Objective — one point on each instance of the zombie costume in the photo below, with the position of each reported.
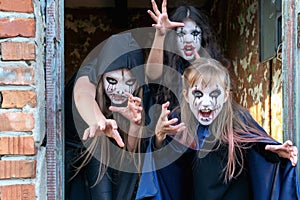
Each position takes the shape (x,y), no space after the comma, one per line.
(201,176)
(117,52)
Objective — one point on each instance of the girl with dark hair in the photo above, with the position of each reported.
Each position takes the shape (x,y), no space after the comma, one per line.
(174,46)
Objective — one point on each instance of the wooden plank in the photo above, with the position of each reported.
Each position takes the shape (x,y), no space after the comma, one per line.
(290,73)
(54,84)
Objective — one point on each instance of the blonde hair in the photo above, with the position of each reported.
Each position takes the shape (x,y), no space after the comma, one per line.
(232,127)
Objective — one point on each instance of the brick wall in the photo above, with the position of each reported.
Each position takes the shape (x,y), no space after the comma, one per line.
(20,102)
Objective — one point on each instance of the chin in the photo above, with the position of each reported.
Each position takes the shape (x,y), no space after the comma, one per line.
(119,104)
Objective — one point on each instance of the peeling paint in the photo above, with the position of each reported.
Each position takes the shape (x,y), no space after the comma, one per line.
(247,33)
(265,74)
(86,25)
(235,67)
(251,12)
(245,62)
(244,100)
(249,78)
(242,23)
(254,31)
(256,93)
(276,82)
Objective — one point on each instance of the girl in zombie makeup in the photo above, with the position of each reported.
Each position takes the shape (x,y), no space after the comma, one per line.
(176,40)
(105,110)
(219,152)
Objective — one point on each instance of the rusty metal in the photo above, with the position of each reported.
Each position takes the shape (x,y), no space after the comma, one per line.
(290,72)
(54,74)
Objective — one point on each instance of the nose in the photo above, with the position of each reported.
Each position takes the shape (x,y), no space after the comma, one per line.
(188,38)
(122,89)
(205,102)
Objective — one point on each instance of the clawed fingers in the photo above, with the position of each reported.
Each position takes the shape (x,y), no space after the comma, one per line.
(164,6)
(285,150)
(155,8)
(173,130)
(90,132)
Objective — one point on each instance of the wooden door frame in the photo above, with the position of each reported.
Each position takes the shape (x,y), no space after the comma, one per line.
(291,71)
(54,75)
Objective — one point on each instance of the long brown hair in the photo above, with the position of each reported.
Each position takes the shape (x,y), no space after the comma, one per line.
(103,148)
(232,127)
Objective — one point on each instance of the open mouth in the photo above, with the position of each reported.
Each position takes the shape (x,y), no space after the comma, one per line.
(118,98)
(188,50)
(205,114)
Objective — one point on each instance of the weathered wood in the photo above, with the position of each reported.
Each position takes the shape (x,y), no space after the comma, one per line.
(290,72)
(54,84)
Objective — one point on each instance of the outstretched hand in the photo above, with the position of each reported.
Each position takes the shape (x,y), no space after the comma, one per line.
(165,126)
(108,127)
(285,150)
(133,110)
(161,18)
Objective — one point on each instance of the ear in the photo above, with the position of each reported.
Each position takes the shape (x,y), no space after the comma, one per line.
(227,93)
(185,95)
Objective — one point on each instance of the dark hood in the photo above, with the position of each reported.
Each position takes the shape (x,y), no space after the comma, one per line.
(117,52)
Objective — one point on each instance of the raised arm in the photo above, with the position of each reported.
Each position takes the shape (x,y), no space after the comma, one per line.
(84,97)
(154,66)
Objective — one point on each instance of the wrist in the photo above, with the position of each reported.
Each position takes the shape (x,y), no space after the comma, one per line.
(160,34)
(159,138)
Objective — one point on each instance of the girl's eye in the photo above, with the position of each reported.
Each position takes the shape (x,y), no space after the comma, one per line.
(131,82)
(196,33)
(197,93)
(180,32)
(111,80)
(215,93)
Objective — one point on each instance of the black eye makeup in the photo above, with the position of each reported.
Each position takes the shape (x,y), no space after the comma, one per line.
(130,82)
(197,93)
(215,93)
(180,32)
(111,80)
(196,32)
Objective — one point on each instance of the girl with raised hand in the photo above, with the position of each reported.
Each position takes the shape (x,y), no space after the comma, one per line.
(177,38)
(218,150)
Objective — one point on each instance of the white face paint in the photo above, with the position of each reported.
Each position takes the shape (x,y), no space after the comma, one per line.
(206,103)
(188,38)
(117,83)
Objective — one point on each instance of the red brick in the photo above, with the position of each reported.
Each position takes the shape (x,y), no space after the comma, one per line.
(16,76)
(16,5)
(16,121)
(18,98)
(17,169)
(18,51)
(17,192)
(17,145)
(13,27)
